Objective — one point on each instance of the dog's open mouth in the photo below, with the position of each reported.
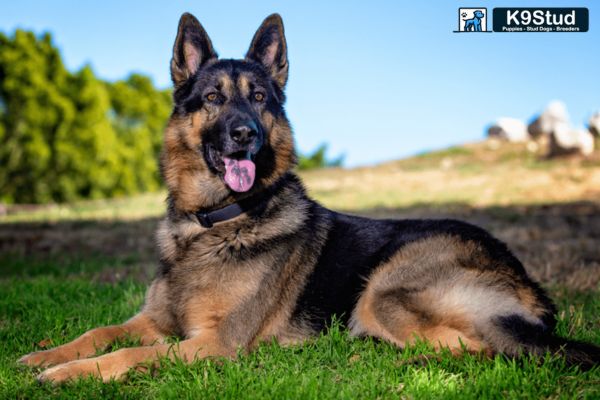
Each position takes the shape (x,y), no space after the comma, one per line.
(238,169)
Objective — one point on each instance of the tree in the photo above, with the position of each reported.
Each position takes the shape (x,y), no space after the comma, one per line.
(139,113)
(86,157)
(33,83)
(67,136)
(318,159)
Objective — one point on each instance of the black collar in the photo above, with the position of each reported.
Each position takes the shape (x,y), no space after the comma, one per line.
(208,218)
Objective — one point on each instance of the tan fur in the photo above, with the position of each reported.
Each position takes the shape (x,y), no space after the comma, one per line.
(530,301)
(244,85)
(365,322)
(228,87)
(96,340)
(208,307)
(157,296)
(451,303)
(276,324)
(115,365)
(185,171)
(441,336)
(283,142)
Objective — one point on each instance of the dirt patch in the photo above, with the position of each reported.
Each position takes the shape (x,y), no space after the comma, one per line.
(80,239)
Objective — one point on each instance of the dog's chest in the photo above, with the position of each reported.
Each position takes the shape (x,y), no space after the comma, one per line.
(208,279)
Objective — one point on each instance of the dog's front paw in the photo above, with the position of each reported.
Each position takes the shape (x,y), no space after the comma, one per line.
(68,371)
(58,374)
(43,358)
(90,367)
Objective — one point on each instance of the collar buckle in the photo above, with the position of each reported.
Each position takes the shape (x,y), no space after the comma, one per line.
(204,219)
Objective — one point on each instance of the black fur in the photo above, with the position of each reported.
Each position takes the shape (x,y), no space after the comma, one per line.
(539,340)
(357,245)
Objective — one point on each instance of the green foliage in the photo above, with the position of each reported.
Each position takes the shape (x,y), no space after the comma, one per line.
(33,86)
(318,159)
(67,136)
(139,113)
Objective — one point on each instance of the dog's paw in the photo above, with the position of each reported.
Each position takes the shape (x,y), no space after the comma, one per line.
(67,372)
(58,374)
(43,358)
(91,367)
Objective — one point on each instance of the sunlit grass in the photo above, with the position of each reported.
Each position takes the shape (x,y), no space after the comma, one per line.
(481,174)
(333,366)
(126,208)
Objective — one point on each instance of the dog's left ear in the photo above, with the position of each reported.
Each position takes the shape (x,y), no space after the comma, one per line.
(191,50)
(269,48)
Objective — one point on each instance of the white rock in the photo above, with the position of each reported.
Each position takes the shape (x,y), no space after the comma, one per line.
(566,140)
(586,142)
(557,110)
(511,129)
(554,114)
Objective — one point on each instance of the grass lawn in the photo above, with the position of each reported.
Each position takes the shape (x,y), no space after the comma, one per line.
(67,269)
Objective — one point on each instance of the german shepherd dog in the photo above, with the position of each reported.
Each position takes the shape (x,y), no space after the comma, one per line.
(246,256)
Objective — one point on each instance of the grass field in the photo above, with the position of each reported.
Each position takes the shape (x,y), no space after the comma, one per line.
(66,269)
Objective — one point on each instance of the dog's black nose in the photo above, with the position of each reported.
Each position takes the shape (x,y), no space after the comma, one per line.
(244,133)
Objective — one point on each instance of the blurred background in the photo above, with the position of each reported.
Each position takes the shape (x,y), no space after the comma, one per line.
(89,82)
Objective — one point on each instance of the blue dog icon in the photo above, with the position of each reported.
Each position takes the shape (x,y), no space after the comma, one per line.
(474,24)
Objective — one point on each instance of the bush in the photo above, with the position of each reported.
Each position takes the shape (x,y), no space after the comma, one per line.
(67,136)
(318,159)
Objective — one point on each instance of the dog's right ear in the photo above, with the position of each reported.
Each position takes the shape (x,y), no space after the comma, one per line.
(269,48)
(191,50)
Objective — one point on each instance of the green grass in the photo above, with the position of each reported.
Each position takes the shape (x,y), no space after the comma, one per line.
(124,208)
(66,300)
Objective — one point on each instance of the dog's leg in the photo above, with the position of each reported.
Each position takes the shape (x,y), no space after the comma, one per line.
(96,339)
(115,365)
(450,293)
(400,317)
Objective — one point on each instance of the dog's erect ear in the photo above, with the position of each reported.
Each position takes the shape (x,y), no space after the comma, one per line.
(268,47)
(192,49)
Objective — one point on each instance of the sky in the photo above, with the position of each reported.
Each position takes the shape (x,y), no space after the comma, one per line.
(376,80)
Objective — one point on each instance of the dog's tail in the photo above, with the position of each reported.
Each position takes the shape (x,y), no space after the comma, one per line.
(517,335)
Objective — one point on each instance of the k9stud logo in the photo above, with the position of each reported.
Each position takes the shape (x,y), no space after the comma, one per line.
(541,19)
(472,19)
(521,19)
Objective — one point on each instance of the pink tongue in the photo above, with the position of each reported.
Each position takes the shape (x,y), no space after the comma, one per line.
(239,174)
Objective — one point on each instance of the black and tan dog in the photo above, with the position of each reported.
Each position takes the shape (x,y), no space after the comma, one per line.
(246,256)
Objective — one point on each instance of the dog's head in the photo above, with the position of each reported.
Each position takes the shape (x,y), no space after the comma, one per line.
(228,135)
(478,14)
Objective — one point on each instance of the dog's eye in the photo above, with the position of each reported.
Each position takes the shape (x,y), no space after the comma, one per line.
(258,96)
(211,97)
